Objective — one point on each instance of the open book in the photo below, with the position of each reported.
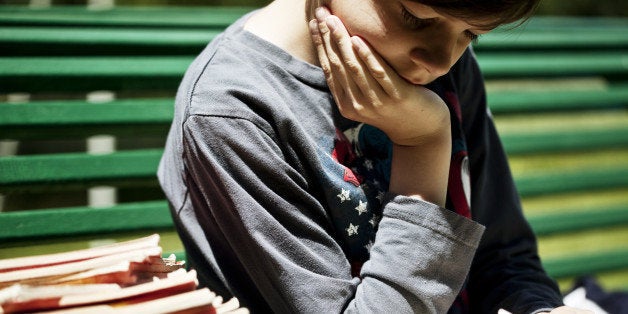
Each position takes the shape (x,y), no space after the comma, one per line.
(126,277)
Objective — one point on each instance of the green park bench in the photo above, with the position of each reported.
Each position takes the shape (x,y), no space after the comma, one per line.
(557,88)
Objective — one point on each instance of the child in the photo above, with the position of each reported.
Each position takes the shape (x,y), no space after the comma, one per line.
(375,184)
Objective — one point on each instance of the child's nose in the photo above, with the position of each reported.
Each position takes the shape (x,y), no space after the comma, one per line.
(438,56)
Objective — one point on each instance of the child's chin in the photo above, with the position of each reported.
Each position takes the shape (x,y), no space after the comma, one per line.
(418,80)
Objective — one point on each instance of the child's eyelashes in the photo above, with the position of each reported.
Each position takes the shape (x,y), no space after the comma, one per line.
(412,21)
(416,23)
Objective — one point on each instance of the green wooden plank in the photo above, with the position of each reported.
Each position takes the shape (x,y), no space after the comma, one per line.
(495,65)
(587,201)
(574,23)
(552,39)
(153,16)
(56,40)
(53,113)
(21,74)
(82,131)
(55,170)
(565,140)
(114,36)
(160,110)
(24,74)
(48,41)
(79,119)
(540,101)
(578,265)
(583,242)
(545,224)
(141,66)
(24,120)
(530,184)
(80,221)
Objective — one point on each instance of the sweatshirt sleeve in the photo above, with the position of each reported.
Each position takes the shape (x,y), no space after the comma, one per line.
(271,239)
(506,272)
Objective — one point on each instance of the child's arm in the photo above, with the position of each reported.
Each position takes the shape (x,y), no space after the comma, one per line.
(367,90)
(253,211)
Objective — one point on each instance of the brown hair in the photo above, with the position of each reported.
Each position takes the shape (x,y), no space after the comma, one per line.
(497,12)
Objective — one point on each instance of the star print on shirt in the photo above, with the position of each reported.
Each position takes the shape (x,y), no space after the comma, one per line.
(352,230)
(351,183)
(344,196)
(361,208)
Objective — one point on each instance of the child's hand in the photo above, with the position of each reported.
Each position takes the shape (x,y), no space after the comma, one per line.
(367,89)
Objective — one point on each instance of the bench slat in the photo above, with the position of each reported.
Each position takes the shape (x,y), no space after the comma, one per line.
(533,184)
(206,17)
(574,23)
(56,40)
(547,224)
(74,118)
(552,39)
(538,64)
(508,102)
(159,110)
(84,169)
(579,265)
(21,172)
(22,74)
(79,118)
(80,221)
(51,113)
(565,140)
(49,41)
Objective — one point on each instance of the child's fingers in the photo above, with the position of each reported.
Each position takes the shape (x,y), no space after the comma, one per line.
(377,67)
(321,52)
(334,85)
(351,64)
(343,88)
(332,56)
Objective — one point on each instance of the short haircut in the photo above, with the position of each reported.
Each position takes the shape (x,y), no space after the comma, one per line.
(488,13)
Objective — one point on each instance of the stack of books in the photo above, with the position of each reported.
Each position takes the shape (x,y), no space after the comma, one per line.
(126,277)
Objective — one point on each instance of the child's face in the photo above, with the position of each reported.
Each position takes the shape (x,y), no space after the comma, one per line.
(420,43)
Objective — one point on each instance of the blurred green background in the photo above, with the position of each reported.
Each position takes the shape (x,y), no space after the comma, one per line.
(548,7)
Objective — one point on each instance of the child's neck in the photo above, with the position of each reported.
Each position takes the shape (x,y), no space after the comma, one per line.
(283,23)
